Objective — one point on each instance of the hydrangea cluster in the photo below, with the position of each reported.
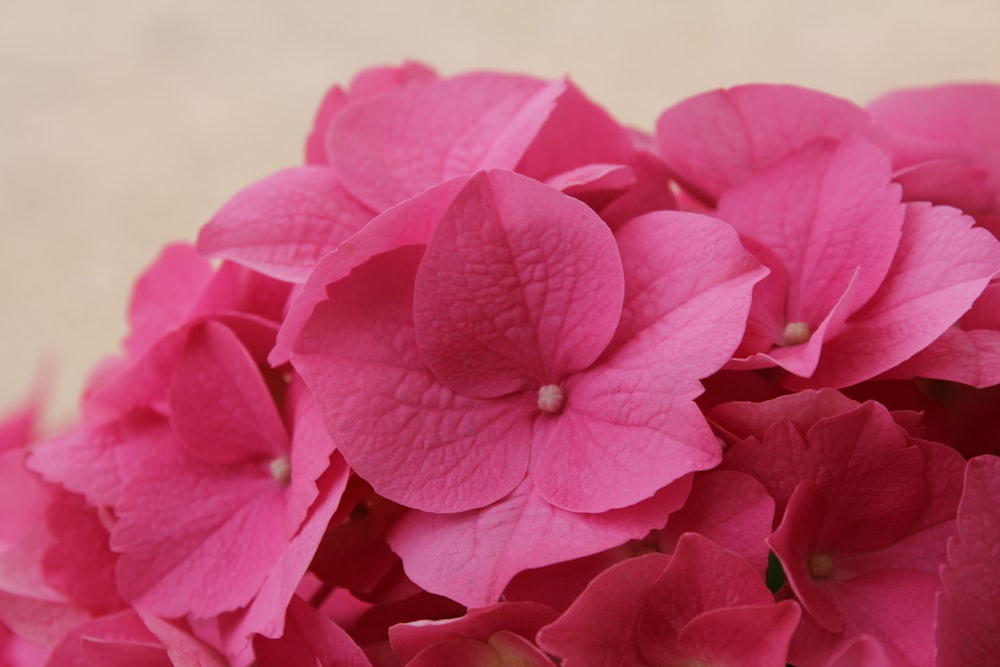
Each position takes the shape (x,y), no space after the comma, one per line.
(492,379)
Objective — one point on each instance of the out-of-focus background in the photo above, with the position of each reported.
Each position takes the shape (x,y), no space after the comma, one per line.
(125,125)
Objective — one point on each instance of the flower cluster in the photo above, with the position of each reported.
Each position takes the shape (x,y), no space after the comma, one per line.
(493,379)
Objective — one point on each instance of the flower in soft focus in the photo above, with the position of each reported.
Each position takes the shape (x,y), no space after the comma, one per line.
(492,379)
(864,512)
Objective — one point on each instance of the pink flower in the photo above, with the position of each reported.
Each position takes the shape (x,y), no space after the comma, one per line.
(703,605)
(400,131)
(858,282)
(865,511)
(521,331)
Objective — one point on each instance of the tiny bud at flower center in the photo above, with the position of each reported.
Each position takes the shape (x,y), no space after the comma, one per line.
(550,398)
(281,470)
(796,333)
(820,566)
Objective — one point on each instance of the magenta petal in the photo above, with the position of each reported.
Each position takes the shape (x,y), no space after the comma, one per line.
(164,295)
(748,635)
(688,285)
(825,211)
(718,139)
(390,147)
(617,442)
(728,507)
(283,224)
(195,537)
(219,404)
(700,576)
(521,618)
(864,650)
(968,610)
(520,532)
(411,438)
(309,639)
(941,267)
(795,540)
(601,626)
(520,286)
(411,223)
(265,615)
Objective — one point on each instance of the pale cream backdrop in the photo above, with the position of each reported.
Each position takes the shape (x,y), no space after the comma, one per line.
(125,123)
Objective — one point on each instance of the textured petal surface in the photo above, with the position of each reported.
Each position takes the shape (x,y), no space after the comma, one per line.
(283,224)
(390,147)
(728,507)
(219,404)
(718,139)
(411,223)
(825,211)
(415,441)
(519,287)
(521,531)
(968,612)
(600,629)
(749,636)
(941,266)
(195,537)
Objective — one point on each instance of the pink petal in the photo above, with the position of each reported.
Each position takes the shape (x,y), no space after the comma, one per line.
(284,223)
(600,629)
(82,460)
(717,140)
(309,639)
(164,295)
(795,541)
(863,650)
(414,440)
(825,211)
(688,283)
(521,618)
(119,640)
(728,507)
(940,268)
(968,610)
(411,223)
(265,615)
(390,147)
(749,636)
(617,442)
(367,82)
(701,576)
(576,132)
(219,404)
(195,537)
(743,419)
(520,286)
(520,532)
(896,607)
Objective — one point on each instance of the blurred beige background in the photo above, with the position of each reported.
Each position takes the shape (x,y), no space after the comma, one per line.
(124,124)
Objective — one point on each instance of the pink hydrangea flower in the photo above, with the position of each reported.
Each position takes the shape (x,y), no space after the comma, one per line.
(525,331)
(703,605)
(865,511)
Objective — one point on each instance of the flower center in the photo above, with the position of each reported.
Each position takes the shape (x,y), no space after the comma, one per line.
(281,470)
(796,333)
(550,398)
(820,566)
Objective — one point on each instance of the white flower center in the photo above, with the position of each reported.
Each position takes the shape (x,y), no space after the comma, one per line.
(281,470)
(796,333)
(550,398)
